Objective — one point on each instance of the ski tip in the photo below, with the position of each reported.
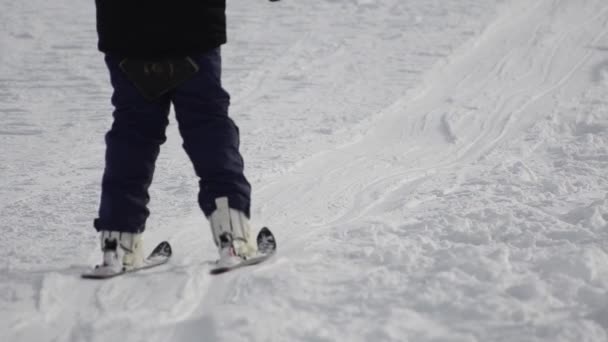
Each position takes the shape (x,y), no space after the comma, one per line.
(163,248)
(266,241)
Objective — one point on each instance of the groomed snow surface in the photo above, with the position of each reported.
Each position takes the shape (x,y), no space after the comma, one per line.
(433,171)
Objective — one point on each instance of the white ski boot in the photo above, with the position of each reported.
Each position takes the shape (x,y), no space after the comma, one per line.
(121,252)
(231,233)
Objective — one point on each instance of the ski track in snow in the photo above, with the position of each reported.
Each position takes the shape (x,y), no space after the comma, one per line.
(433,171)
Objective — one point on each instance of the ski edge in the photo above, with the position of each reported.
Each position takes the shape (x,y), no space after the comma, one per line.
(249,262)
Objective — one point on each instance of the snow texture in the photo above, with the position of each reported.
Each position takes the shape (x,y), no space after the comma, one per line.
(433,171)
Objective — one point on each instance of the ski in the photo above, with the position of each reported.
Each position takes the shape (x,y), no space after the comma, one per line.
(267,246)
(159,256)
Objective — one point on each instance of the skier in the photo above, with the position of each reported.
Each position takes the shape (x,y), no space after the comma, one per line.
(160,53)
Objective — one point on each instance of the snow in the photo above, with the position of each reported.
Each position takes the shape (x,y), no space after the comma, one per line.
(433,171)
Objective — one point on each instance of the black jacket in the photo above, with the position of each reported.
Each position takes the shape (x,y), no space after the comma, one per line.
(160,28)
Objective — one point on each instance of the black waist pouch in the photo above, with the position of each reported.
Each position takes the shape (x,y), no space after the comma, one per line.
(155,78)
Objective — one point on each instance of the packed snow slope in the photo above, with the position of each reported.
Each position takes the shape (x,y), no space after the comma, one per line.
(433,171)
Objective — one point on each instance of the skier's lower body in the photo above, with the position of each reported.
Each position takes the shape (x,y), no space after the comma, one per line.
(211,140)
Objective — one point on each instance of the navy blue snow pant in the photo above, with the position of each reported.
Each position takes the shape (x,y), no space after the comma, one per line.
(210,138)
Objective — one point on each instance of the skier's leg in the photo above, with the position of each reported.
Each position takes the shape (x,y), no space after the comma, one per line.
(211,140)
(132,146)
